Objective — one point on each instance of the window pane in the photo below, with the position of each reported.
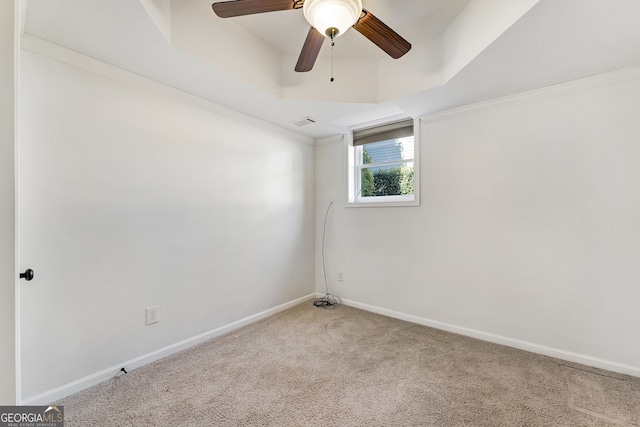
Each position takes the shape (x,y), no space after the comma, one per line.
(389,180)
(388,151)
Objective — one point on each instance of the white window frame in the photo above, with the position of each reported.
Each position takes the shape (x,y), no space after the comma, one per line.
(354,178)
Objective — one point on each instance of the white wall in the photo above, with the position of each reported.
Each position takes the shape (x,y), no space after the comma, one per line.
(134,199)
(8,132)
(528,233)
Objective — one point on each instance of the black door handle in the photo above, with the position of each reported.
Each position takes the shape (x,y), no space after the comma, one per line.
(27,275)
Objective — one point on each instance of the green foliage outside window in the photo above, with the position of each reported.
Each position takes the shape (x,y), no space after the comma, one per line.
(367,176)
(386,182)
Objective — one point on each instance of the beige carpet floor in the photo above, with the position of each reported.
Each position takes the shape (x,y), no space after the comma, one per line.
(345,367)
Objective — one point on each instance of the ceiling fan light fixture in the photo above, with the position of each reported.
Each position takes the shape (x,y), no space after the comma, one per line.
(332,18)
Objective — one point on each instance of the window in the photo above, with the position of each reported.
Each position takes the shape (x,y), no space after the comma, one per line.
(383,165)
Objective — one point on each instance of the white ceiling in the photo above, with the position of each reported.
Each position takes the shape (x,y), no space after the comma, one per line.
(555,41)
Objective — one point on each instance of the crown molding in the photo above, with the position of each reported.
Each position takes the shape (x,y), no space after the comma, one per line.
(601,80)
(330,139)
(54,51)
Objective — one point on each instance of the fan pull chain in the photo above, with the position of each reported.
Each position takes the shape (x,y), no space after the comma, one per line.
(333,43)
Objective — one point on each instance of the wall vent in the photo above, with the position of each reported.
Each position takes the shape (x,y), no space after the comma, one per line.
(304,121)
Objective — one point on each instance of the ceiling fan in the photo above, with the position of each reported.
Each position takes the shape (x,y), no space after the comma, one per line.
(328,18)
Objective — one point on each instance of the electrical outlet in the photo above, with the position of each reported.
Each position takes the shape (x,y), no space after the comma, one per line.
(153,315)
(340,276)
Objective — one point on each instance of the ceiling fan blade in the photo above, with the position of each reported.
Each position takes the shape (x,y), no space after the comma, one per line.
(310,50)
(383,36)
(228,9)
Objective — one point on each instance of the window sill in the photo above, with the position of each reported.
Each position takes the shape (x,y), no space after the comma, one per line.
(383,202)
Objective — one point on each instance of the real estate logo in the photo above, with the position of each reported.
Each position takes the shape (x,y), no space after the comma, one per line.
(31,416)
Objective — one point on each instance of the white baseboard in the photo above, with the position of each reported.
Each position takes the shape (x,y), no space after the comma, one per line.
(607,365)
(106,374)
(68,389)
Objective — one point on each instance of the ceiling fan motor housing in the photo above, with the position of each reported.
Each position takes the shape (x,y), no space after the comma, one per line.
(332,17)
